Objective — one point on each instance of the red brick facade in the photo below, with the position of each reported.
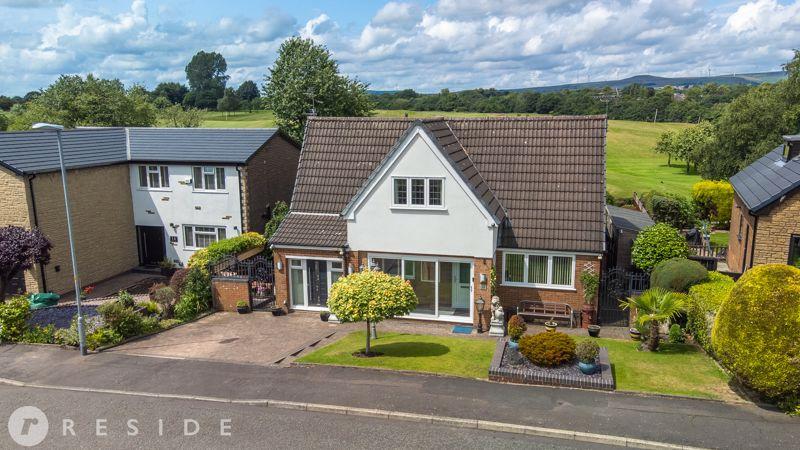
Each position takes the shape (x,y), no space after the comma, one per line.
(741,237)
(226,292)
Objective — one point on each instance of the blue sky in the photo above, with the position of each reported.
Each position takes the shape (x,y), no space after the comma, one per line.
(425,45)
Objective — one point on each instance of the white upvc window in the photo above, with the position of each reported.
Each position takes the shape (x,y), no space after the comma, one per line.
(208,178)
(201,236)
(417,192)
(537,269)
(153,177)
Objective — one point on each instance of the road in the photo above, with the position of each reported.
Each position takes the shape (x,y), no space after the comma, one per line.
(250,426)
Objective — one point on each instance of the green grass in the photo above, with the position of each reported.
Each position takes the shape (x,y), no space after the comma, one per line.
(631,163)
(676,369)
(719,238)
(458,356)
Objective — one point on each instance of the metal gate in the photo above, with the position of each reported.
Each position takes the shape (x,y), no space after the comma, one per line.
(615,285)
(260,275)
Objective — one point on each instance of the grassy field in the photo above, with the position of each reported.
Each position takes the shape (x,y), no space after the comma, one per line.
(462,357)
(631,163)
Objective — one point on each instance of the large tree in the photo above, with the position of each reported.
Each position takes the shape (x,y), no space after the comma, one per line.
(176,116)
(207,79)
(229,102)
(305,77)
(174,92)
(20,249)
(75,101)
(248,90)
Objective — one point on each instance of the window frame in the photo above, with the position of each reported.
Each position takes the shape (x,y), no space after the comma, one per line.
(221,233)
(219,174)
(526,268)
(160,171)
(794,244)
(409,180)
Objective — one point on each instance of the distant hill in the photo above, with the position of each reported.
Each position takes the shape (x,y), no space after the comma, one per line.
(653,81)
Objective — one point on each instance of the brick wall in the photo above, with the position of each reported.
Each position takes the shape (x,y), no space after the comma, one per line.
(226,292)
(774,230)
(268,178)
(740,237)
(510,296)
(102,216)
(15,210)
(282,275)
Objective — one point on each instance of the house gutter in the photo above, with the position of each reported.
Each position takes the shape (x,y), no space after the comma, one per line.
(241,200)
(36,224)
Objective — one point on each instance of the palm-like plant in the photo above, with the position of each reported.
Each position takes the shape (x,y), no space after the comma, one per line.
(653,307)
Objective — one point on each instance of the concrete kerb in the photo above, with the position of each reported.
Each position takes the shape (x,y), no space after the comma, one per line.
(384,414)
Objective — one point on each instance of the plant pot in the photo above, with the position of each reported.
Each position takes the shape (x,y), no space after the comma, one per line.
(513,344)
(242,309)
(635,334)
(594,330)
(324,316)
(550,326)
(587,368)
(277,312)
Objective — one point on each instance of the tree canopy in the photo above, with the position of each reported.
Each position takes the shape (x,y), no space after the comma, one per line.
(248,90)
(207,79)
(76,101)
(20,249)
(174,92)
(305,77)
(229,102)
(176,116)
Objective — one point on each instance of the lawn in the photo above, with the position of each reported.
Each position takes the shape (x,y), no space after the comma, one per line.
(676,369)
(719,238)
(632,165)
(449,355)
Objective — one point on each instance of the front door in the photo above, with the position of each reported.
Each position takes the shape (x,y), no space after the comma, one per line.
(317,283)
(151,245)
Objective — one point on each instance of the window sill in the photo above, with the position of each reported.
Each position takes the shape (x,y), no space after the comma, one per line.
(546,287)
(208,191)
(153,189)
(418,208)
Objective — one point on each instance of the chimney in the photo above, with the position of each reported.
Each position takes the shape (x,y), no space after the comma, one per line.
(791,147)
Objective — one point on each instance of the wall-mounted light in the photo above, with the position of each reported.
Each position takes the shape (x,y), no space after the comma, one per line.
(483,280)
(280,265)
(349,268)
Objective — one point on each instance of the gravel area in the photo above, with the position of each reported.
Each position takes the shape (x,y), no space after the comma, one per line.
(513,358)
(60,316)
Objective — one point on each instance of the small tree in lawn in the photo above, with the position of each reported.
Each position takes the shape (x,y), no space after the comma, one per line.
(371,296)
(20,249)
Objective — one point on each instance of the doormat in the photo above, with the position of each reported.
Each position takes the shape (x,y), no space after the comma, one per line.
(462,329)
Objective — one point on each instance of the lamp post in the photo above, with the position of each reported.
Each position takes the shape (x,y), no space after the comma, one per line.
(479,307)
(58,129)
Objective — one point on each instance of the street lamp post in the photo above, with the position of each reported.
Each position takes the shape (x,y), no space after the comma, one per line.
(57,129)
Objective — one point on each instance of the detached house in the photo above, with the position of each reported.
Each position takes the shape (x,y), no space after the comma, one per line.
(445,203)
(765,221)
(139,195)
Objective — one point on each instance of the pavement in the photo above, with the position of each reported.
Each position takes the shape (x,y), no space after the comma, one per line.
(224,425)
(679,421)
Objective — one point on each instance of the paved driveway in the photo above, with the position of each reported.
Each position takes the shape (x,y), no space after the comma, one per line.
(255,338)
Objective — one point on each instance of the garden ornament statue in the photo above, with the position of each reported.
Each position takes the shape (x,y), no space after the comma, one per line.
(497,327)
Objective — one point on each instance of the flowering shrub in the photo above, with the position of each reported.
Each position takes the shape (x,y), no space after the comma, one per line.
(371,296)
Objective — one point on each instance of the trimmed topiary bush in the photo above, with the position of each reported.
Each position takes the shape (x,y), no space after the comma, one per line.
(757,331)
(516,327)
(677,274)
(548,349)
(657,243)
(703,303)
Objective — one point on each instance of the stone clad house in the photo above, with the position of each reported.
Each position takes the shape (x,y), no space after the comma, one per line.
(765,221)
(139,195)
(443,202)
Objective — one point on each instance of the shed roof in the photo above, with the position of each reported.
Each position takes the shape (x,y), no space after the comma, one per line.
(628,219)
(767,180)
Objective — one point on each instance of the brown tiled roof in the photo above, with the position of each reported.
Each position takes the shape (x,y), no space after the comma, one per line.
(311,230)
(545,173)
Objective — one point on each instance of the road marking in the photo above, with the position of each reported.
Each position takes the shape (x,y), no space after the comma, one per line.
(457,422)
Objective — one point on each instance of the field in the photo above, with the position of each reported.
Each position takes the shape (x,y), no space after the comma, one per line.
(631,163)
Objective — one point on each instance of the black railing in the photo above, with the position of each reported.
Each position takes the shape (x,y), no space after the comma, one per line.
(709,251)
(258,271)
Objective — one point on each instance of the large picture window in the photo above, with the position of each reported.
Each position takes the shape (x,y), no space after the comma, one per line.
(199,236)
(208,178)
(153,177)
(538,269)
(418,192)
(794,251)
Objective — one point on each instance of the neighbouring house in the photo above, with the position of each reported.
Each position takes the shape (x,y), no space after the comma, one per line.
(444,203)
(765,221)
(623,225)
(139,195)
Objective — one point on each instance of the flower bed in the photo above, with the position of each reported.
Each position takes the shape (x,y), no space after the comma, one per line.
(509,366)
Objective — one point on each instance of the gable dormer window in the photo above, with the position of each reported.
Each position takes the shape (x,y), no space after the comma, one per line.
(417,192)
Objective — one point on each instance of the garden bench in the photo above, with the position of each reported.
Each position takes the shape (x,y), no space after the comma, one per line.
(545,310)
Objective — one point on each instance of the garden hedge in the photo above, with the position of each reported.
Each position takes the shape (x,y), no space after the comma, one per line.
(657,243)
(713,200)
(704,302)
(548,349)
(677,274)
(226,247)
(757,328)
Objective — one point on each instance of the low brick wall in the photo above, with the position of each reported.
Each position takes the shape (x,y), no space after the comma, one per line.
(227,291)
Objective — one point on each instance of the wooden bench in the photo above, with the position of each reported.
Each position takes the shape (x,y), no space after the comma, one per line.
(545,310)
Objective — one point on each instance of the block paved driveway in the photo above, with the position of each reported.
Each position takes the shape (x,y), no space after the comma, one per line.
(255,338)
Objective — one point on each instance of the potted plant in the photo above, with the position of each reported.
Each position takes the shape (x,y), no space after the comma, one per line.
(242,307)
(550,325)
(594,330)
(587,352)
(516,329)
(636,335)
(167,267)
(85,292)
(277,311)
(591,284)
(324,316)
